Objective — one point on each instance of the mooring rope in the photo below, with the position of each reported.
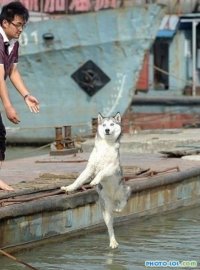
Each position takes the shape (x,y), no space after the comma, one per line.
(17,260)
(171,74)
(57,192)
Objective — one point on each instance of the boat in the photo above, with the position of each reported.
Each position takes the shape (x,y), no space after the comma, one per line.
(77,66)
(167,93)
(80,63)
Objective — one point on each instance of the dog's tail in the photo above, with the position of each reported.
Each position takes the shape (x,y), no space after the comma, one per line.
(122,200)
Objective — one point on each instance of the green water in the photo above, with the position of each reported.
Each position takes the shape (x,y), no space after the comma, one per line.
(171,237)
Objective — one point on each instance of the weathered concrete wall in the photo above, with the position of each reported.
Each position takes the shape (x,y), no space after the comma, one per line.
(69,215)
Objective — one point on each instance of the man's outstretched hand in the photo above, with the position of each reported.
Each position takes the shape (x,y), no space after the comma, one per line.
(32,103)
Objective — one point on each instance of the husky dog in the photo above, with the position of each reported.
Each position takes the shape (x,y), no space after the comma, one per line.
(104,171)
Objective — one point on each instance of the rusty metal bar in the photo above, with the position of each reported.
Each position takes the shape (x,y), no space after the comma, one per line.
(68,142)
(16,260)
(67,131)
(94,126)
(59,138)
(194,48)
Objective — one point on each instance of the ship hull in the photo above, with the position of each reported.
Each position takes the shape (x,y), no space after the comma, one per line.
(53,50)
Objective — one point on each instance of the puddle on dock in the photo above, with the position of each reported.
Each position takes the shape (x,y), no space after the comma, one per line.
(168,237)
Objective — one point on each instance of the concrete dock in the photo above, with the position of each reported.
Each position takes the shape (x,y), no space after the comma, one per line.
(141,149)
(37,211)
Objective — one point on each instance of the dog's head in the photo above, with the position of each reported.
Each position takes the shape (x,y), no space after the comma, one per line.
(109,128)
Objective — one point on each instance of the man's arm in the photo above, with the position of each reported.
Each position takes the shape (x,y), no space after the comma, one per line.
(9,109)
(18,83)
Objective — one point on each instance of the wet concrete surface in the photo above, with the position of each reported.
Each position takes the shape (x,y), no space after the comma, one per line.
(32,170)
(36,170)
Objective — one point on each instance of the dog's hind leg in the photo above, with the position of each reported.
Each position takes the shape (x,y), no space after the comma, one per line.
(107,211)
(108,218)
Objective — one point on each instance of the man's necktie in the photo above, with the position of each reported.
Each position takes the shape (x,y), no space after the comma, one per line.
(6,44)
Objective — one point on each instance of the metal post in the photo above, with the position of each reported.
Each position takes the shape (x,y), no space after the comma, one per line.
(67,131)
(194,49)
(69,143)
(194,22)
(94,126)
(59,138)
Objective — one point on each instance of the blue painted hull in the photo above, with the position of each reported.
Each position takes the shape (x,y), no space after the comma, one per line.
(115,40)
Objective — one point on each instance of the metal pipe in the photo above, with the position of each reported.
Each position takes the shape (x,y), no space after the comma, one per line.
(94,126)
(58,133)
(59,138)
(67,131)
(194,22)
(68,142)
(194,49)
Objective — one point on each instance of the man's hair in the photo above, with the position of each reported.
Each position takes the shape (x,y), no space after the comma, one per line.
(9,11)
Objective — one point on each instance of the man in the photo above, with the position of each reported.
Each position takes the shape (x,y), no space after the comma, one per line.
(13,19)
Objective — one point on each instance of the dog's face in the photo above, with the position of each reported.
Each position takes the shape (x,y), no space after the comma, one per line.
(109,127)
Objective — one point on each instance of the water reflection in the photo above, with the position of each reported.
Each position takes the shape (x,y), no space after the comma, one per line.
(164,237)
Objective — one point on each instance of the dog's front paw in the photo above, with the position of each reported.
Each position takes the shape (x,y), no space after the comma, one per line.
(94,183)
(113,244)
(68,188)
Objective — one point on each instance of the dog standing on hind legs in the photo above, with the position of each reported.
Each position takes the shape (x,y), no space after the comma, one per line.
(104,171)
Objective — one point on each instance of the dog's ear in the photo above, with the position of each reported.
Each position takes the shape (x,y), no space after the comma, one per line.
(117,117)
(100,118)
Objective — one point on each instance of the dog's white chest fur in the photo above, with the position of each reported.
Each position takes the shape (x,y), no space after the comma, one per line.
(104,154)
